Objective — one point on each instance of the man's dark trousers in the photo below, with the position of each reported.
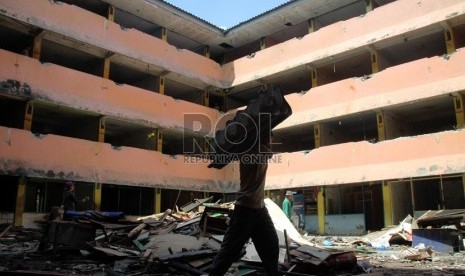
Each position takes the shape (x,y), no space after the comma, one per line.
(248,223)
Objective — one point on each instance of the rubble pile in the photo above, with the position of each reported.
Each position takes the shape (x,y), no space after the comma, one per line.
(185,241)
(180,242)
(432,244)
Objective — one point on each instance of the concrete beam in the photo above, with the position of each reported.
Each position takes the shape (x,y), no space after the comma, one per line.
(432,154)
(402,84)
(77,24)
(64,86)
(346,38)
(57,157)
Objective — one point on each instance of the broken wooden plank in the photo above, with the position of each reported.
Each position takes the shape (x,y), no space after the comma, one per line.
(136,230)
(194,204)
(6,230)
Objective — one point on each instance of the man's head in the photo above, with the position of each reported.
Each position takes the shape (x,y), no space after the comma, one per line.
(290,194)
(69,186)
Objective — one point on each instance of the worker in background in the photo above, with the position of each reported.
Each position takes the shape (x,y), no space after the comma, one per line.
(250,218)
(69,198)
(288,204)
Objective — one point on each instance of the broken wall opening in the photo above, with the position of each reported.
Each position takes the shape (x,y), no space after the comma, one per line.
(121,74)
(14,40)
(354,128)
(128,199)
(356,66)
(120,133)
(292,139)
(401,200)
(12,112)
(438,193)
(73,58)
(357,203)
(413,48)
(64,121)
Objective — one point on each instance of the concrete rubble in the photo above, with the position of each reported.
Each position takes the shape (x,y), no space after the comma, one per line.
(185,242)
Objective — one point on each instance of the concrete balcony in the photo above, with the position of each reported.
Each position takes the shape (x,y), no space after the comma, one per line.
(419,156)
(58,157)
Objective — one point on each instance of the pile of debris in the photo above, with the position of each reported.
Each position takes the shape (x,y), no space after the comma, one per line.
(181,242)
(431,242)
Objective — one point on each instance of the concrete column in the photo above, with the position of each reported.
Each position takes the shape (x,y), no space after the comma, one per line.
(321,210)
(106,68)
(206,51)
(206,99)
(459,110)
(161,85)
(106,60)
(262,43)
(157,200)
(159,140)
(412,194)
(28,115)
(97,196)
(164,34)
(387,203)
(20,199)
(37,45)
(317,134)
(314,77)
(450,39)
(311,25)
(111,13)
(101,129)
(374,62)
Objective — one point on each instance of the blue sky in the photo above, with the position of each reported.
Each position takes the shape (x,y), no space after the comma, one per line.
(226,13)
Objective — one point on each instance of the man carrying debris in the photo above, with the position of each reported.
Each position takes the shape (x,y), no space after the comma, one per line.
(250,218)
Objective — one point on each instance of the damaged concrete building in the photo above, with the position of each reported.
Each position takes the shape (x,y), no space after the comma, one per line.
(112,94)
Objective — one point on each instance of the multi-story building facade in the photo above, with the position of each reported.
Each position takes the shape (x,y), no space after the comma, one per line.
(101,92)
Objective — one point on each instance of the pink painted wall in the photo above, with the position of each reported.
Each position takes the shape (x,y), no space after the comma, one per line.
(68,158)
(424,155)
(352,35)
(420,79)
(68,87)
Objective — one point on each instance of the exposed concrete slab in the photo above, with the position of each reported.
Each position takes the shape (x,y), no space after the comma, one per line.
(81,25)
(346,38)
(432,154)
(57,157)
(402,84)
(63,86)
